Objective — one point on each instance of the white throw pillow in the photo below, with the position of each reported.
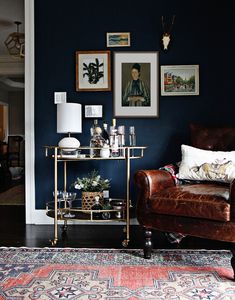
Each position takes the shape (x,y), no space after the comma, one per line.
(198,164)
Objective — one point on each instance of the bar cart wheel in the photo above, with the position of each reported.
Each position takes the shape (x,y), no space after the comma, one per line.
(125,243)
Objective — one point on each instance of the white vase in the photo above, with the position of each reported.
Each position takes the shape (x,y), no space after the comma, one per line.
(105,152)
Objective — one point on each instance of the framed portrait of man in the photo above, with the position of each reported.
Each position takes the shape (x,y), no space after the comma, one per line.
(136,84)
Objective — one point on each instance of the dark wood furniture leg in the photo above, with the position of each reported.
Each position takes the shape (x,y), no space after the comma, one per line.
(147,243)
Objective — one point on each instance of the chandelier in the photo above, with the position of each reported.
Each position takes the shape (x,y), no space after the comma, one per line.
(15,42)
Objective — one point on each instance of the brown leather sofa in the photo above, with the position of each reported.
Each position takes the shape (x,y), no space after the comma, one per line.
(201,210)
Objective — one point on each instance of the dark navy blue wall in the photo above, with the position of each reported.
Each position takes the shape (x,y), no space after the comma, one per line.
(202,35)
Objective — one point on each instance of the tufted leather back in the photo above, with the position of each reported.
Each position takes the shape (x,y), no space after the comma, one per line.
(213,138)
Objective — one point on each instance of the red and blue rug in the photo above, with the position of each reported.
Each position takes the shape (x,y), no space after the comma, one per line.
(50,273)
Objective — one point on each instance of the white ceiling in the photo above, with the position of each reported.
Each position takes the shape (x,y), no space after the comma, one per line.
(10,11)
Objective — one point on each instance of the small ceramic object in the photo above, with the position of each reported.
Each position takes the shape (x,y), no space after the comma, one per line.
(105,152)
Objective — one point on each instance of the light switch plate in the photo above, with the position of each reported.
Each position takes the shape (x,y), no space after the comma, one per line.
(60,97)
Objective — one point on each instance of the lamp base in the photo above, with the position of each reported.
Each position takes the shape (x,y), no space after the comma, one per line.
(69,144)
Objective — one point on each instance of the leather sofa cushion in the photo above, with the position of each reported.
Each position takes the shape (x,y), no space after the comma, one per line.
(213,138)
(207,201)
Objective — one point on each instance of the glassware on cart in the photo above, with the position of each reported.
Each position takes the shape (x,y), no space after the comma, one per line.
(113,139)
(118,205)
(59,200)
(69,197)
(121,139)
(97,206)
(132,139)
(106,215)
(96,142)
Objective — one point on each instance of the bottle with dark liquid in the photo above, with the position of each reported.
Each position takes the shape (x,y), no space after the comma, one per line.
(97,206)
(105,134)
(106,215)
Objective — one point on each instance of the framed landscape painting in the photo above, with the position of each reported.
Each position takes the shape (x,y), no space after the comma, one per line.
(136,84)
(181,80)
(93,71)
(118,39)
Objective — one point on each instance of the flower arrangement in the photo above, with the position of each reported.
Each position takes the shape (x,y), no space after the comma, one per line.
(92,183)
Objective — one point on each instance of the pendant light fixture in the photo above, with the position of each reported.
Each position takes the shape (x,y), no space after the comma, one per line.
(15,42)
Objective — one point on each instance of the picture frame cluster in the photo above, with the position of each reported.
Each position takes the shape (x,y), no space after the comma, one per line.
(136,77)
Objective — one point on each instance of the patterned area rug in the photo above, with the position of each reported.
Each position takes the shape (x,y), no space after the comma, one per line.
(50,273)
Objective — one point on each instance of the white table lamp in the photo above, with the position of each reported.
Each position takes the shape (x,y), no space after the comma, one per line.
(69,120)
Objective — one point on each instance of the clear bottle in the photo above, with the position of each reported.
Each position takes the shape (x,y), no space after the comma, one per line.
(97,206)
(113,139)
(121,139)
(97,141)
(132,138)
(92,129)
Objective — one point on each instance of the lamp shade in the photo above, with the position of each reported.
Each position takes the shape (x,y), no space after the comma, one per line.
(69,118)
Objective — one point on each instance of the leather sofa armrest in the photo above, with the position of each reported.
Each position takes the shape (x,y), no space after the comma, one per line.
(152,181)
(232,200)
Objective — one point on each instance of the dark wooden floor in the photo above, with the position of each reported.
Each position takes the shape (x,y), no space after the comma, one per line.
(14,233)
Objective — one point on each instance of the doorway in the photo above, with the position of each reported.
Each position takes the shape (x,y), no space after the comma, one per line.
(3,123)
(12,118)
(12,153)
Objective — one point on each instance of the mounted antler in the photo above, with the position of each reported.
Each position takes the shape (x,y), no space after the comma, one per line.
(166,32)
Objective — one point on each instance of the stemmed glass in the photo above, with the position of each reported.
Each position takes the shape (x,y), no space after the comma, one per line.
(69,197)
(59,199)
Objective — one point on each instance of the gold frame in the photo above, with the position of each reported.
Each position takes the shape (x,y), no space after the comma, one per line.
(107,71)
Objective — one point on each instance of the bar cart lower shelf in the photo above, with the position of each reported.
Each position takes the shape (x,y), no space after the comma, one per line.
(63,212)
(76,213)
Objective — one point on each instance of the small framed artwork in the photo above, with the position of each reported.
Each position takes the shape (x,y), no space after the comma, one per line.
(182,80)
(93,71)
(93,111)
(118,39)
(136,84)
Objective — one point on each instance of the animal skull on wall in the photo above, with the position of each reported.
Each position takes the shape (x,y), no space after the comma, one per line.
(166,37)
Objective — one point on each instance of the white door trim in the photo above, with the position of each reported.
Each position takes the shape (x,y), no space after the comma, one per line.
(29,113)
(33,215)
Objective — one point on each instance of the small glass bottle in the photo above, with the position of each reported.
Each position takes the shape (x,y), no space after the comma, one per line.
(132,139)
(97,206)
(97,141)
(113,139)
(92,129)
(121,139)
